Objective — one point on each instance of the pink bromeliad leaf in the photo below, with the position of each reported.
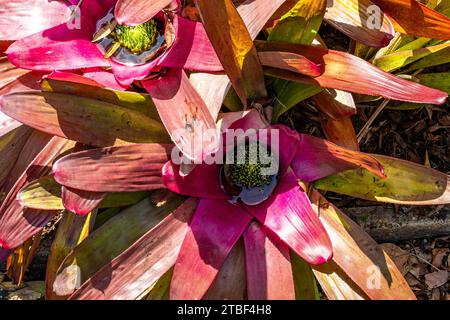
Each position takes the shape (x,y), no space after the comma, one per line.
(317,158)
(230,282)
(288,214)
(11,145)
(184,113)
(133,271)
(269,271)
(18,224)
(21,18)
(80,202)
(115,169)
(134,12)
(215,228)
(350,73)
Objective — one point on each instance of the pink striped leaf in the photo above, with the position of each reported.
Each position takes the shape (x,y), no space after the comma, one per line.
(79,201)
(317,158)
(134,12)
(16,223)
(343,71)
(289,215)
(184,113)
(269,272)
(115,169)
(230,281)
(215,228)
(128,275)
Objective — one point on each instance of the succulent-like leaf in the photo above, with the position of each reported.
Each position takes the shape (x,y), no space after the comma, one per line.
(340,131)
(304,281)
(85,120)
(184,114)
(400,59)
(439,81)
(230,281)
(69,83)
(405,183)
(215,228)
(80,202)
(11,145)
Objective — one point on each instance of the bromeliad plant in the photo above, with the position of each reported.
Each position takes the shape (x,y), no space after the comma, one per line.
(98,151)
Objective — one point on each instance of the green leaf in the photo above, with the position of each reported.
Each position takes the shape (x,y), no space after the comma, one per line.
(300,25)
(304,280)
(45,194)
(400,59)
(406,183)
(439,81)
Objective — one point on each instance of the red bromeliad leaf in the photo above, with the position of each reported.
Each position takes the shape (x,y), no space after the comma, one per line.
(349,73)
(360,257)
(16,223)
(269,272)
(21,18)
(360,20)
(128,275)
(79,201)
(81,119)
(215,228)
(230,281)
(27,82)
(289,215)
(414,18)
(184,113)
(317,158)
(234,46)
(290,62)
(134,12)
(11,146)
(115,169)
